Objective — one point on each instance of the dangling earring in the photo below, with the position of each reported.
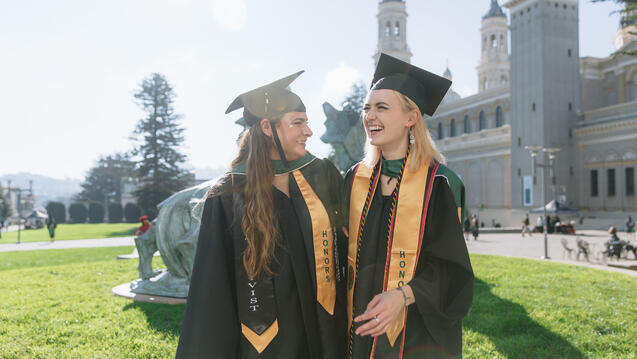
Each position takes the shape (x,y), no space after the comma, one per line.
(412,139)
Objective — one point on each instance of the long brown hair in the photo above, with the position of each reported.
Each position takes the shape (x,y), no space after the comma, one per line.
(259,224)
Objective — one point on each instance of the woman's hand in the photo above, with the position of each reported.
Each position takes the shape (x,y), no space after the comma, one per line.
(381,311)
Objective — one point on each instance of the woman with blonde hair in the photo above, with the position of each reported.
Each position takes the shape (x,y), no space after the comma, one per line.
(266,278)
(410,281)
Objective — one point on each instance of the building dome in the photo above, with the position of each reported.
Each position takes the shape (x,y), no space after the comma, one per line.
(494,11)
(451,95)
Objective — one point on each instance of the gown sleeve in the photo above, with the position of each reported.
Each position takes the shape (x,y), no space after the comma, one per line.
(210,328)
(443,284)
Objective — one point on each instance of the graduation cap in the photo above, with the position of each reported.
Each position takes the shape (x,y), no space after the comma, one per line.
(271,102)
(424,88)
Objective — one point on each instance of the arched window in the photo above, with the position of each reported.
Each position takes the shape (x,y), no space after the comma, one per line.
(440,135)
(397,29)
(467,124)
(503,80)
(452,128)
(482,124)
(501,40)
(387,29)
(494,41)
(499,121)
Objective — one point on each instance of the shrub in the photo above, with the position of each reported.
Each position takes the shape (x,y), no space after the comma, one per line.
(78,212)
(132,212)
(115,212)
(57,210)
(95,212)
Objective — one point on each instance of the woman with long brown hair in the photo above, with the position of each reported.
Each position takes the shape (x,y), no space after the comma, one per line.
(266,277)
(410,281)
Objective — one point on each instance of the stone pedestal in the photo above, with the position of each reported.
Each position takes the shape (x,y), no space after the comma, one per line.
(124,290)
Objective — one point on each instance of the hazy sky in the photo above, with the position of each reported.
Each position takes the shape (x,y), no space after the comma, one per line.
(68,69)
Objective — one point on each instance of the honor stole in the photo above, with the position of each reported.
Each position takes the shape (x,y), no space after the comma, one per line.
(324,257)
(405,233)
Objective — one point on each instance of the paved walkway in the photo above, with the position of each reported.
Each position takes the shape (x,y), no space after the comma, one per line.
(77,243)
(513,245)
(503,244)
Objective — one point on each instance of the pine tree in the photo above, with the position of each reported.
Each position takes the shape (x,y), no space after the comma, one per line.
(160,136)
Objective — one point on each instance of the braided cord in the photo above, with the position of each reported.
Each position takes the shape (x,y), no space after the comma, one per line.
(368,200)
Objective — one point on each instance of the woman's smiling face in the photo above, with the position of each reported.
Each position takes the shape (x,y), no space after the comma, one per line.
(293,132)
(384,118)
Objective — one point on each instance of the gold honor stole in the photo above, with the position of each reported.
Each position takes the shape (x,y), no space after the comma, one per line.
(260,342)
(405,233)
(323,239)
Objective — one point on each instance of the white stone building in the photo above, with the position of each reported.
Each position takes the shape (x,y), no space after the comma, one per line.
(541,93)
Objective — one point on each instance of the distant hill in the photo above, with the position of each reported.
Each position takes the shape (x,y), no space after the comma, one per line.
(44,188)
(53,189)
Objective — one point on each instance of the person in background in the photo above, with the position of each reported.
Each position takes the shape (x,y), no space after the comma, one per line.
(144,227)
(51,225)
(525,226)
(475,227)
(630,225)
(614,245)
(466,228)
(539,224)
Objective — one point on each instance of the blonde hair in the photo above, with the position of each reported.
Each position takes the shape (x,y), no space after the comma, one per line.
(422,152)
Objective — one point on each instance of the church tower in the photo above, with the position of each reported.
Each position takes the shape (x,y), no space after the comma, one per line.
(545,93)
(494,67)
(392,30)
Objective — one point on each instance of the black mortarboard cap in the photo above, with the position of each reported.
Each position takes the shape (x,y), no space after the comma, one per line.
(424,88)
(271,101)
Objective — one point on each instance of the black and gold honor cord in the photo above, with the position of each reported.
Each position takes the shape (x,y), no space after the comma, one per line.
(368,201)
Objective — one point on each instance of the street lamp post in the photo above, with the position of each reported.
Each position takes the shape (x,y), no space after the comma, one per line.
(551,154)
(19,208)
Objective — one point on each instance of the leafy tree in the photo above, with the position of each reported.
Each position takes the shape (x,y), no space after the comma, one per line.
(78,212)
(95,212)
(354,102)
(115,212)
(105,181)
(5,207)
(346,154)
(132,212)
(628,20)
(57,210)
(159,135)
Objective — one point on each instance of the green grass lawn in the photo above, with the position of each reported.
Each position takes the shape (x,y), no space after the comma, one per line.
(65,232)
(58,304)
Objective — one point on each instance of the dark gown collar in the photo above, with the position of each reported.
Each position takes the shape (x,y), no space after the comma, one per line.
(279,166)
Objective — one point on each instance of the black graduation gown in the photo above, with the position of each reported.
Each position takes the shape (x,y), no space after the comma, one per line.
(442,284)
(211,328)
